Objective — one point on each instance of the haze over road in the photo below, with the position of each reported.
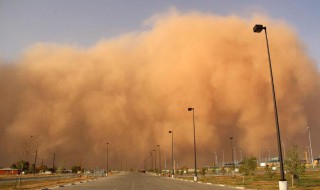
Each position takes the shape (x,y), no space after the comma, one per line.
(139,181)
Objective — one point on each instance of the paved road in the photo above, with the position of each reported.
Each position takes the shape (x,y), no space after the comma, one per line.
(140,181)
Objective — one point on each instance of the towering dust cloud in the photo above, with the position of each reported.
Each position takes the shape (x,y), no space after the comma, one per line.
(131,90)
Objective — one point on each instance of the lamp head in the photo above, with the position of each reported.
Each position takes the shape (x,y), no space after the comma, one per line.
(190,109)
(170,131)
(258,28)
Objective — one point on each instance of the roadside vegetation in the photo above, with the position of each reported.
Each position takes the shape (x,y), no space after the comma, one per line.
(250,176)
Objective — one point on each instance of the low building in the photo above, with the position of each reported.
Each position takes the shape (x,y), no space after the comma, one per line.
(9,171)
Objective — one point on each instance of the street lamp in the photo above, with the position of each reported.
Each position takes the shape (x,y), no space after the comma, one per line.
(282,183)
(172,155)
(54,159)
(194,142)
(216,159)
(269,155)
(107,158)
(222,158)
(231,149)
(151,161)
(155,160)
(308,129)
(35,162)
(159,158)
(121,164)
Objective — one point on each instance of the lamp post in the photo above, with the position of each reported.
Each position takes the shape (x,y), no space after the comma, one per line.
(159,159)
(222,158)
(269,155)
(107,158)
(235,156)
(35,162)
(216,159)
(172,155)
(311,155)
(195,150)
(121,163)
(231,138)
(54,158)
(155,160)
(282,183)
(151,161)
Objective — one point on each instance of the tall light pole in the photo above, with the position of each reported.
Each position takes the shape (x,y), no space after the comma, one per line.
(311,155)
(269,155)
(172,155)
(231,149)
(151,161)
(240,155)
(235,156)
(195,150)
(222,158)
(216,158)
(121,164)
(159,158)
(107,158)
(283,182)
(35,162)
(165,161)
(155,160)
(54,158)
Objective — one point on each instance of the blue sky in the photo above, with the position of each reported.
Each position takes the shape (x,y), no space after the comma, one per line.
(84,22)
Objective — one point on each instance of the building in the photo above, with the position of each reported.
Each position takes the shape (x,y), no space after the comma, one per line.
(9,171)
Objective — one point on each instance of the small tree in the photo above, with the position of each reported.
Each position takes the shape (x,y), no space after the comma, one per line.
(223,170)
(268,171)
(43,168)
(33,169)
(203,171)
(22,165)
(75,169)
(293,164)
(248,166)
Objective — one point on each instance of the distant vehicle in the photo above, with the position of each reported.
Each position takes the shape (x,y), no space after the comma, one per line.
(47,172)
(142,171)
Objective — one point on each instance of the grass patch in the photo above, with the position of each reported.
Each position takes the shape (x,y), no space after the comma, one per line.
(309,181)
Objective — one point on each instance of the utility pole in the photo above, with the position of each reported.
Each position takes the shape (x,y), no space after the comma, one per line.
(107,158)
(35,162)
(232,149)
(165,160)
(54,157)
(216,159)
(311,155)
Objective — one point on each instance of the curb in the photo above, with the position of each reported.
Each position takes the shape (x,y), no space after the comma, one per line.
(220,185)
(71,184)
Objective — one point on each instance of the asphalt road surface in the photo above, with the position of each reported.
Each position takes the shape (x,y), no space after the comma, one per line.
(140,181)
